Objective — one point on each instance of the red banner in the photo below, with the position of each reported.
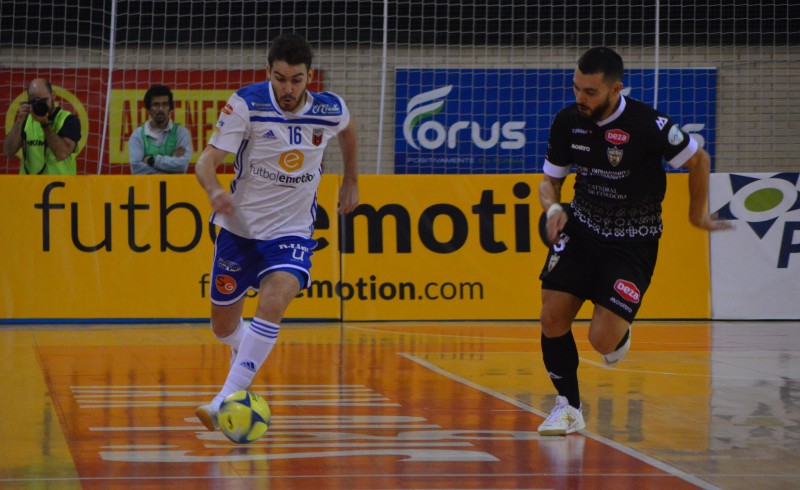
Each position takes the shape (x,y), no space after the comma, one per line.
(199,95)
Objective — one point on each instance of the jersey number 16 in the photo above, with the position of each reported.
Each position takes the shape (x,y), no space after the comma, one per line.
(295,135)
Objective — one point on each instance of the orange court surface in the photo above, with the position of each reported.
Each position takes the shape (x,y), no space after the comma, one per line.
(394,405)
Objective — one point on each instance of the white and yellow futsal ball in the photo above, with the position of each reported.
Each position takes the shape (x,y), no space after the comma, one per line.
(243,417)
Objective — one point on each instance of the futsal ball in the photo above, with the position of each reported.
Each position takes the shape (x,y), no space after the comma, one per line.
(243,417)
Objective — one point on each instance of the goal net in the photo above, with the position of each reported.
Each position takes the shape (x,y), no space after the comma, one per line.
(435,86)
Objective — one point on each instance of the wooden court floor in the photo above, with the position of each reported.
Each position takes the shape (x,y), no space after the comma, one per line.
(401,405)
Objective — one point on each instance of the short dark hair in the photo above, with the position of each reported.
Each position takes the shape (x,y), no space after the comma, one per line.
(157,91)
(291,48)
(602,60)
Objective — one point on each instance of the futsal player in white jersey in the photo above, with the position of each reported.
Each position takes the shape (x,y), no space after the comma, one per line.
(278,131)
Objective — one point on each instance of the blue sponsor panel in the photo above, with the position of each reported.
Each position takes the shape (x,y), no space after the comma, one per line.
(498,121)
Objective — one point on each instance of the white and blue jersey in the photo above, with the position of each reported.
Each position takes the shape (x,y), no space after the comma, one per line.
(278,160)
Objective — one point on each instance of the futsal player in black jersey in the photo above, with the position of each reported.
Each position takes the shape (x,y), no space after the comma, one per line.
(605,243)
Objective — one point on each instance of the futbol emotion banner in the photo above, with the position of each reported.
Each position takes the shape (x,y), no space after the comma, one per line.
(83,92)
(120,247)
(468,247)
(417,248)
(498,120)
(755,268)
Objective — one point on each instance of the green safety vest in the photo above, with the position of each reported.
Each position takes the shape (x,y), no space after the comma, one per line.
(168,148)
(37,159)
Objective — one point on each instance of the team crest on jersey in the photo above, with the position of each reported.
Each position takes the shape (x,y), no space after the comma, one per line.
(317,136)
(614,156)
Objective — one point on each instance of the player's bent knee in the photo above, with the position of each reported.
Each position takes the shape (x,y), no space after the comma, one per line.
(271,311)
(554,327)
(552,333)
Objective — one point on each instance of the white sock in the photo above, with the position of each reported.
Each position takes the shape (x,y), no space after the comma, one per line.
(256,344)
(235,338)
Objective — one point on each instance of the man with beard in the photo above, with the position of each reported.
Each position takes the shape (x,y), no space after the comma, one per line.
(160,146)
(605,243)
(278,131)
(47,134)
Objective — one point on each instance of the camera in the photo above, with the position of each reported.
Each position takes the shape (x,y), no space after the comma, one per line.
(39,106)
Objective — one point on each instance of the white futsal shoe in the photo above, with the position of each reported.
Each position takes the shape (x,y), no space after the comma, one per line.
(564,419)
(615,357)
(208,416)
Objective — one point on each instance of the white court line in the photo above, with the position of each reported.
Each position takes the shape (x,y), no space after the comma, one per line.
(600,365)
(608,442)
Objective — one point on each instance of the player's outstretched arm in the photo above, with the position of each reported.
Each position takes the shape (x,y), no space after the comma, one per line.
(699,167)
(206,172)
(348,143)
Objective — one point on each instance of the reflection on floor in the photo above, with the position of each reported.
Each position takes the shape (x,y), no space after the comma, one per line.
(401,405)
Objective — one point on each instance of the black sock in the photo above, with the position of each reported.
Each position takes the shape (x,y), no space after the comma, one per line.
(624,339)
(561,361)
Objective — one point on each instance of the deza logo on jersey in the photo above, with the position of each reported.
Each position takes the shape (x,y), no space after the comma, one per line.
(627,290)
(432,134)
(617,136)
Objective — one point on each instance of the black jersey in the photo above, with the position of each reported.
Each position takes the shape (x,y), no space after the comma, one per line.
(619,178)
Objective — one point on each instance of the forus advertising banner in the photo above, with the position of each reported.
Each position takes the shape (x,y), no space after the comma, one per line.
(477,121)
(755,268)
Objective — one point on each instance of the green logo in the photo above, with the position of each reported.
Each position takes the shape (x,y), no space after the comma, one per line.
(761,201)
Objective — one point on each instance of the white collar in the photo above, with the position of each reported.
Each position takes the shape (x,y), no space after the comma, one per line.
(156,132)
(613,117)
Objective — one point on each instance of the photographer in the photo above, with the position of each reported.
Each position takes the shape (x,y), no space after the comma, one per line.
(47,135)
(160,145)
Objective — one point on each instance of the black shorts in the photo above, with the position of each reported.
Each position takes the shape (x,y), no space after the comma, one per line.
(613,274)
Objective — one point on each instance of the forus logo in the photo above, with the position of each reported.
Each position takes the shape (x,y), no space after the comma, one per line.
(762,203)
(432,135)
